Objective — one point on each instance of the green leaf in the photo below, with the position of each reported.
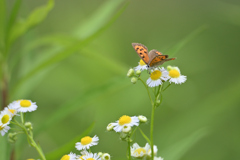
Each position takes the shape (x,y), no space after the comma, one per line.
(97,20)
(81,101)
(67,52)
(36,17)
(56,154)
(2,24)
(177,150)
(175,49)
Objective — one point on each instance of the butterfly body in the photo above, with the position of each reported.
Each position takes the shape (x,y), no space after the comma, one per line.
(152,59)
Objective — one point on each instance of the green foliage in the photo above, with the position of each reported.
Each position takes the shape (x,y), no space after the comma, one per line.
(35,18)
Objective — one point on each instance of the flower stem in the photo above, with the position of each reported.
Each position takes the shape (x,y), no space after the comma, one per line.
(31,140)
(149,95)
(151,130)
(129,149)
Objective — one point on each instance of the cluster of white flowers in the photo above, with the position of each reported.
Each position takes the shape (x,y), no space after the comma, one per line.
(158,75)
(144,152)
(11,110)
(84,145)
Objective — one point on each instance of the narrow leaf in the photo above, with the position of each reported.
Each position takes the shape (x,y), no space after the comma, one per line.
(67,52)
(175,49)
(177,150)
(2,24)
(67,148)
(36,17)
(98,19)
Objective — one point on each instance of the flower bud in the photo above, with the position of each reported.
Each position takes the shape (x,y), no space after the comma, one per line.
(169,68)
(28,125)
(130,72)
(110,127)
(126,129)
(134,80)
(100,154)
(142,119)
(138,72)
(123,135)
(106,156)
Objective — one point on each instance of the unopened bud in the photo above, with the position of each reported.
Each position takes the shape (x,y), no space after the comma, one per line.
(100,154)
(169,68)
(126,129)
(130,72)
(28,125)
(134,80)
(138,72)
(106,156)
(110,127)
(142,119)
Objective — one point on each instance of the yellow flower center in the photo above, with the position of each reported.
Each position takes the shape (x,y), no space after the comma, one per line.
(142,63)
(12,111)
(25,103)
(174,73)
(65,157)
(90,159)
(156,75)
(1,128)
(139,150)
(86,140)
(5,119)
(124,120)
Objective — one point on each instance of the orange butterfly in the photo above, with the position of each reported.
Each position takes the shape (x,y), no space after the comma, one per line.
(152,59)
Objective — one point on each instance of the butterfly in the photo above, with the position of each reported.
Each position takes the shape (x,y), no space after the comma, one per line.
(152,59)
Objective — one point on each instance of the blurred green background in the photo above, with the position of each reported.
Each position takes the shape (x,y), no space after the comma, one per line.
(74,66)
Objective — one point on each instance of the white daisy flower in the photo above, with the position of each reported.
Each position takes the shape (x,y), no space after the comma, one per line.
(25,106)
(87,142)
(157,76)
(5,117)
(83,153)
(91,156)
(158,158)
(140,152)
(141,66)
(70,156)
(4,129)
(125,121)
(175,75)
(11,108)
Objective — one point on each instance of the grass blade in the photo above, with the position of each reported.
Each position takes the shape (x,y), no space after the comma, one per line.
(67,52)
(36,17)
(98,19)
(67,148)
(173,50)
(176,151)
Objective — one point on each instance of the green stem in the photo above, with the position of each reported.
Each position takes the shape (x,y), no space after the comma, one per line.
(129,149)
(149,95)
(144,135)
(151,130)
(31,140)
(167,86)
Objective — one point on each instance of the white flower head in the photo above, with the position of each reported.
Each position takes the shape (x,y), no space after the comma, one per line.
(87,142)
(4,129)
(5,117)
(175,76)
(140,152)
(157,76)
(11,108)
(141,66)
(25,105)
(158,158)
(70,156)
(83,153)
(125,121)
(91,156)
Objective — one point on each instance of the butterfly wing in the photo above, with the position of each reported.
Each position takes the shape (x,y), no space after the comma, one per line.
(158,60)
(153,53)
(142,51)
